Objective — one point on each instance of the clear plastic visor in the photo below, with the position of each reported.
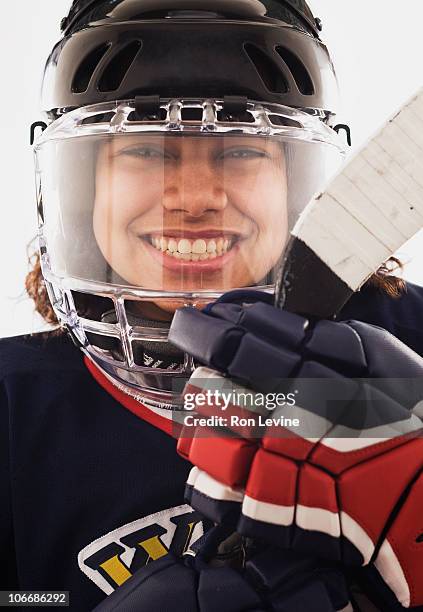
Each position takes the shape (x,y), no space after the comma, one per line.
(175,212)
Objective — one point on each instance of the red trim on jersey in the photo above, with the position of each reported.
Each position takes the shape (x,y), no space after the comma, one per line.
(131,403)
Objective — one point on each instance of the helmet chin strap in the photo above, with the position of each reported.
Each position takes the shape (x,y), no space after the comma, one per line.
(160,355)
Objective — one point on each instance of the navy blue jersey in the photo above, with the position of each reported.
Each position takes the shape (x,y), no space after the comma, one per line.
(402,317)
(89,490)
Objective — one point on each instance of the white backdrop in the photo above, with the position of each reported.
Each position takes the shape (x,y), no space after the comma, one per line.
(377,48)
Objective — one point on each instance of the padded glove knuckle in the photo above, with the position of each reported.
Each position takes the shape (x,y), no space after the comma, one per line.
(256,360)
(386,356)
(215,341)
(337,343)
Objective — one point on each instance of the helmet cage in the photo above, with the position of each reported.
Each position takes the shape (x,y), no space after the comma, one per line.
(112,344)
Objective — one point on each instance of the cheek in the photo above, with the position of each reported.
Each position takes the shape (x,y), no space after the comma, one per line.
(274,214)
(120,199)
(264,201)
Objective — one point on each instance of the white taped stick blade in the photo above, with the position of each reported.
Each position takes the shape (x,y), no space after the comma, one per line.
(374,205)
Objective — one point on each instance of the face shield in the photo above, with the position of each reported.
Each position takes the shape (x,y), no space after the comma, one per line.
(139,217)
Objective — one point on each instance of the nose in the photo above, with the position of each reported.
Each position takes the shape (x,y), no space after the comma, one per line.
(194,188)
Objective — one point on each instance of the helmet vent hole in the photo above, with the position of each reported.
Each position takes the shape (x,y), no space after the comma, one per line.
(187,14)
(298,71)
(118,67)
(278,120)
(269,72)
(87,67)
(99,118)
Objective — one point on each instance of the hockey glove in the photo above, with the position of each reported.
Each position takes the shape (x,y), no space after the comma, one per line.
(346,484)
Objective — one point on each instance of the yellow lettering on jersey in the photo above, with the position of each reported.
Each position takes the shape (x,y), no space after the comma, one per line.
(154,548)
(187,541)
(116,570)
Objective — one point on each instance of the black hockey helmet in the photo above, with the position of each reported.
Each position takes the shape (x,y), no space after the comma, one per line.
(265,50)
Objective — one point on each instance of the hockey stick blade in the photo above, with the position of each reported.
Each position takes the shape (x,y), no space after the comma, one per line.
(371,208)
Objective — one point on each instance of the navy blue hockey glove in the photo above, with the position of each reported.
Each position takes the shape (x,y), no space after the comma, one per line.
(346,483)
(271,579)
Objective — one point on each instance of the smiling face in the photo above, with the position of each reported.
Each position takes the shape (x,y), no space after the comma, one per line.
(190,213)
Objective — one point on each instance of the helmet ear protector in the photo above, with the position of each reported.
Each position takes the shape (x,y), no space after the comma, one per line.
(164,183)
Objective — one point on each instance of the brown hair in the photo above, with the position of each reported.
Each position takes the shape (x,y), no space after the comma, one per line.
(36,288)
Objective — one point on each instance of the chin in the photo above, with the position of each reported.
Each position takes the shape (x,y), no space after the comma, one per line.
(171,306)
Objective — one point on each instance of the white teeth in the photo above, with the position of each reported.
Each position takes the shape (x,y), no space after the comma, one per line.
(184,246)
(211,247)
(172,245)
(192,250)
(199,246)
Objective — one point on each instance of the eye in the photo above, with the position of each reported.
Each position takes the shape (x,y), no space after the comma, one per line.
(142,152)
(243,154)
(146,153)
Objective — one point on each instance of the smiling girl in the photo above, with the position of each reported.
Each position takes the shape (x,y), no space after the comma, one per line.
(183,140)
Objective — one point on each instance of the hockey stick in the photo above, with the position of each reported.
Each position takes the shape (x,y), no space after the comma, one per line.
(368,212)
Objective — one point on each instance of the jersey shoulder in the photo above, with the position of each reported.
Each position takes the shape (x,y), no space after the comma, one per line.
(40,351)
(402,316)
